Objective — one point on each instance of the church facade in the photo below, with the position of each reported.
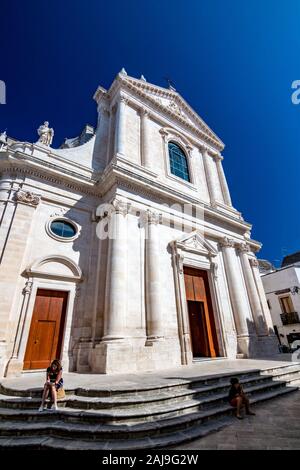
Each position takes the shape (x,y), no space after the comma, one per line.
(121,251)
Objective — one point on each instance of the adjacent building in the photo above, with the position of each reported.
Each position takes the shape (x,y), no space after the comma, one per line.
(282,288)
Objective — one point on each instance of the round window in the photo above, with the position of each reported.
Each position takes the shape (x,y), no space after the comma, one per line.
(63,229)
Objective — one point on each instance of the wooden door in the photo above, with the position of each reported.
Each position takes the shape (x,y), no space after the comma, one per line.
(46,330)
(202,326)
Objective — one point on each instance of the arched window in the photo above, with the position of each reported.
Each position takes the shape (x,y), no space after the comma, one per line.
(178,162)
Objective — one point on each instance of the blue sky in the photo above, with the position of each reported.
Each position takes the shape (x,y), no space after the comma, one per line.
(233,61)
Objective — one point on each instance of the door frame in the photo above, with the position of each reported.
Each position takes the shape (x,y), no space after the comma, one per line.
(209,326)
(38,277)
(64,287)
(201,256)
(61,332)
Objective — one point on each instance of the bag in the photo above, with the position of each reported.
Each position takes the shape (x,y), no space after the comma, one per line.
(61,393)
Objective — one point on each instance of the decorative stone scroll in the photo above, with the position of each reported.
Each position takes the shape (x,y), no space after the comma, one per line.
(27,197)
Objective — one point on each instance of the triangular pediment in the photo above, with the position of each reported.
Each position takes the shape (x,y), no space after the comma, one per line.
(173,103)
(197,243)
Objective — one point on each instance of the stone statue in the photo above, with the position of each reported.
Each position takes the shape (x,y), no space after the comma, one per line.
(3,139)
(46,134)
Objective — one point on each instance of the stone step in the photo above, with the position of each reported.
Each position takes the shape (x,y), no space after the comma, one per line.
(293,366)
(285,374)
(159,442)
(135,415)
(145,436)
(183,384)
(163,397)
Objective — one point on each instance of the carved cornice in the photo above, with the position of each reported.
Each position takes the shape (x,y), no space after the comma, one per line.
(139,89)
(15,170)
(27,197)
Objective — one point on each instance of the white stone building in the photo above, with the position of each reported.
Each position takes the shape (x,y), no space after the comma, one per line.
(282,288)
(179,279)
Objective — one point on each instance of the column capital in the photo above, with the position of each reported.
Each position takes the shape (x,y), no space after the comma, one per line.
(227,242)
(203,148)
(217,157)
(145,113)
(120,207)
(243,247)
(164,133)
(28,197)
(152,217)
(254,263)
(123,99)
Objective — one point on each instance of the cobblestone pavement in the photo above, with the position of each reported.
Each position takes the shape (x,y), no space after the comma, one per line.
(276,426)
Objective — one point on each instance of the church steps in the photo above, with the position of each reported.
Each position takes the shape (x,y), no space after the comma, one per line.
(153,442)
(289,373)
(148,435)
(211,380)
(135,415)
(149,417)
(207,393)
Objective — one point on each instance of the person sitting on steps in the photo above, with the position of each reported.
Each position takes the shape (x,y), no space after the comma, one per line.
(54,381)
(237,398)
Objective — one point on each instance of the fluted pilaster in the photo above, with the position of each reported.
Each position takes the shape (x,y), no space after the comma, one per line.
(145,139)
(237,297)
(209,175)
(153,288)
(120,130)
(258,315)
(223,181)
(116,282)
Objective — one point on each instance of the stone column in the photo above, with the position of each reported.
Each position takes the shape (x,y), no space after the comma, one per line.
(145,139)
(262,296)
(209,175)
(153,291)
(102,138)
(237,296)
(120,131)
(223,181)
(182,312)
(253,295)
(116,281)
